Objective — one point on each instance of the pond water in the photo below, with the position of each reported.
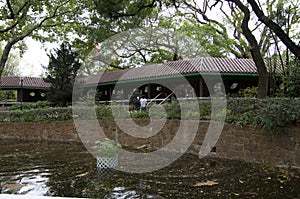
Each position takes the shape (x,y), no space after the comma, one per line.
(68,170)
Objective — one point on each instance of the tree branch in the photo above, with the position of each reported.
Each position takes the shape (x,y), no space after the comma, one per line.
(116,14)
(40,24)
(22,7)
(12,14)
(295,49)
(255,51)
(17,21)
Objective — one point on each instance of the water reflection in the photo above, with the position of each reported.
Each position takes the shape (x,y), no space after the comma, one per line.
(33,168)
(122,192)
(125,193)
(29,182)
(68,170)
(59,169)
(33,182)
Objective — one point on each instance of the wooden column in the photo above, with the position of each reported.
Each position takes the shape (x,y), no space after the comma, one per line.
(201,87)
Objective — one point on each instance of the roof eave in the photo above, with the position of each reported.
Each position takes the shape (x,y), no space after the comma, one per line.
(187,75)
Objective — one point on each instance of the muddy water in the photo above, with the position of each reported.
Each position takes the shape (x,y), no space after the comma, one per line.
(56,169)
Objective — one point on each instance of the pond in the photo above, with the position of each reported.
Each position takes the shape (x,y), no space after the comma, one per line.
(68,170)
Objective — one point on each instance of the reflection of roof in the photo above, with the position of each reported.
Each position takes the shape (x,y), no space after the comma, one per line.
(28,82)
(190,66)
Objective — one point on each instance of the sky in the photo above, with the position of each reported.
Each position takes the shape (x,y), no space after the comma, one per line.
(34,58)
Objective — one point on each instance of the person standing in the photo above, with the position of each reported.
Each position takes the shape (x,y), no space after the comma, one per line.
(143,103)
(137,103)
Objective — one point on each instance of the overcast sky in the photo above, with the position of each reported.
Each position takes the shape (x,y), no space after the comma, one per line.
(34,58)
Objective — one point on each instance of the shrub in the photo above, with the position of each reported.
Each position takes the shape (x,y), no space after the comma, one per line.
(36,115)
(173,110)
(243,119)
(249,92)
(278,113)
(119,111)
(28,106)
(205,111)
(266,113)
(104,112)
(192,115)
(4,116)
(139,114)
(290,85)
(107,148)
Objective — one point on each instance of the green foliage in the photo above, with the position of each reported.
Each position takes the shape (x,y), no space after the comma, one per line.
(120,111)
(139,114)
(250,92)
(278,113)
(192,115)
(204,111)
(103,112)
(173,110)
(129,13)
(8,95)
(107,148)
(47,20)
(4,116)
(245,118)
(271,114)
(290,86)
(28,106)
(61,73)
(39,115)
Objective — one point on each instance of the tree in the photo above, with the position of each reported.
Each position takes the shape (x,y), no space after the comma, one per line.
(164,41)
(11,68)
(157,39)
(110,17)
(243,44)
(290,82)
(226,33)
(241,25)
(239,17)
(61,73)
(262,89)
(41,20)
(275,27)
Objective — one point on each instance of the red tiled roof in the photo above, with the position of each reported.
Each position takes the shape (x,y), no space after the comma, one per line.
(190,66)
(196,65)
(28,82)
(105,77)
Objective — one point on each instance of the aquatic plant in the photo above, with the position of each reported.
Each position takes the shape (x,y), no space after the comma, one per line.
(107,148)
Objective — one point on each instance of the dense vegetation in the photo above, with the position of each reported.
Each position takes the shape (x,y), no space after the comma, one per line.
(61,73)
(271,114)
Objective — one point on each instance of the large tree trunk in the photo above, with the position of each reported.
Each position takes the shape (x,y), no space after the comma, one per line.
(4,56)
(263,79)
(262,90)
(295,49)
